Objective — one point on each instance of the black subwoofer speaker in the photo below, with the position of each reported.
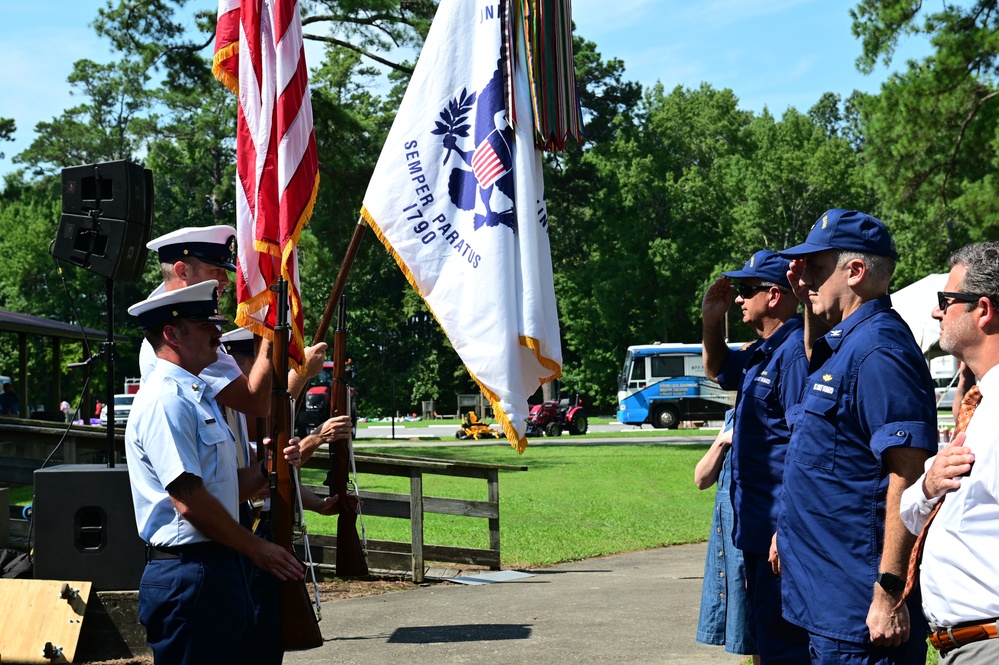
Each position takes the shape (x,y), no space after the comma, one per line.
(84,527)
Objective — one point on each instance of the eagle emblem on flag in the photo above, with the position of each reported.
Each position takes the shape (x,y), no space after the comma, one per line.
(483,182)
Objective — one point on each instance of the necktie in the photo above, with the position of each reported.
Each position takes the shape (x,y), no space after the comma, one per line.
(968,405)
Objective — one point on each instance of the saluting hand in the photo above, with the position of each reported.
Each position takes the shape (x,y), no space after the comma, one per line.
(794,276)
(717,299)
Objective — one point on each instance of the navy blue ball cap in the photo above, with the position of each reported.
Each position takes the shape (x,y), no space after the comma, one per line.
(849,230)
(195,303)
(239,340)
(214,245)
(766,265)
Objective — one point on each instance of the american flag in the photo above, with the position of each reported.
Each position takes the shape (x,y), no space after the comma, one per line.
(260,56)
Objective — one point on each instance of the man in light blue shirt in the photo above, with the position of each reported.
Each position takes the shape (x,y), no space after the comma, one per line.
(193,597)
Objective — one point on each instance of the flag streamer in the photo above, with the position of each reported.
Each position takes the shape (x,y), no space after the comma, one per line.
(546,28)
(457,198)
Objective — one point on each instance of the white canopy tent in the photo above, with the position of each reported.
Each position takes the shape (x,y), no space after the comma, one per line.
(915,303)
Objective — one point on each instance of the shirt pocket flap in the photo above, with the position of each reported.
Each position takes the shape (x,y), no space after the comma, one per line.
(822,395)
(211,433)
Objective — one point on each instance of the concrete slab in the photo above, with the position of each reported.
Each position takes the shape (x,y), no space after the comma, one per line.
(640,607)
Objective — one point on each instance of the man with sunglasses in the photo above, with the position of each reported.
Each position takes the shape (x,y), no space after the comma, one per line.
(958,576)
(865,425)
(769,376)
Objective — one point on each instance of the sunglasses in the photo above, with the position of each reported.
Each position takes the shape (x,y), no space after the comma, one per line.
(947,298)
(746,291)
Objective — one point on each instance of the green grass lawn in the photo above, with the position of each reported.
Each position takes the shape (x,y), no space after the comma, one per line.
(574,502)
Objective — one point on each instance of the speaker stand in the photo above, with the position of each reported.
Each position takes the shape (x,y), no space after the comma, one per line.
(108,353)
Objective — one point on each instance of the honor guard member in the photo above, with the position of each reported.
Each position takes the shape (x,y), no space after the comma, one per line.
(194,599)
(859,437)
(192,255)
(769,376)
(238,344)
(956,502)
(265,633)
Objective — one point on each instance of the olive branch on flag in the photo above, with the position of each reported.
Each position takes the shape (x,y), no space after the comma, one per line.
(454,118)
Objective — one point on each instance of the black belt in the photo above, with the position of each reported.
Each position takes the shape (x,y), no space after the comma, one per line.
(197,550)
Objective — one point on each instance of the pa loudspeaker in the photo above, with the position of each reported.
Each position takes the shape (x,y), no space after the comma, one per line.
(107,214)
(85,527)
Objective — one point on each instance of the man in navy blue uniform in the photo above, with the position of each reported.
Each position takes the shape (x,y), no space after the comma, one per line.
(769,376)
(865,426)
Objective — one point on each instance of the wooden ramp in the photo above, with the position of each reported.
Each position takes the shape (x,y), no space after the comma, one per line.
(41,620)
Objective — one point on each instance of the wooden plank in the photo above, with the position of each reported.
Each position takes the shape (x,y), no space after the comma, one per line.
(416,522)
(494,523)
(376,504)
(320,460)
(399,554)
(42,617)
(389,504)
(481,465)
(460,507)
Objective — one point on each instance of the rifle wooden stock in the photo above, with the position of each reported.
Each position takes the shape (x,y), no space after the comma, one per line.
(299,625)
(350,560)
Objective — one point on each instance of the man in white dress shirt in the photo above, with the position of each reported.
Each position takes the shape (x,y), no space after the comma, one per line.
(959,574)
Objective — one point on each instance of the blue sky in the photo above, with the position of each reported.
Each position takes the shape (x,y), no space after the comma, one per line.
(771,53)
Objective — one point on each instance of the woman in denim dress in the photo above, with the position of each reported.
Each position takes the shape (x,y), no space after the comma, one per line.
(724,616)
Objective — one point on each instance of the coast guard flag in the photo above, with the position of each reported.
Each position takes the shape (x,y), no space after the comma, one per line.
(260,56)
(457,198)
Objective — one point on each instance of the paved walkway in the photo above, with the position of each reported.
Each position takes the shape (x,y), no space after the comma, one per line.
(628,608)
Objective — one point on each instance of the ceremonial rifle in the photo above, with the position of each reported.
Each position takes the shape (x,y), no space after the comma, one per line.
(299,625)
(349,551)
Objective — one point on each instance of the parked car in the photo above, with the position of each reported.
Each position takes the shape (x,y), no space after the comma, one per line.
(122,407)
(945,398)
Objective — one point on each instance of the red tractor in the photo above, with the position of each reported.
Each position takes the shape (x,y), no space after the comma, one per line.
(551,418)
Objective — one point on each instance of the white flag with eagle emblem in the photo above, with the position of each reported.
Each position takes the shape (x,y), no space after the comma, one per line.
(457,197)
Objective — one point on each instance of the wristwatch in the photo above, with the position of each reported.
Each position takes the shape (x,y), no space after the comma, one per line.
(890,582)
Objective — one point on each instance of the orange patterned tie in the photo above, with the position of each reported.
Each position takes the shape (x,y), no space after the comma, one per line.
(968,405)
